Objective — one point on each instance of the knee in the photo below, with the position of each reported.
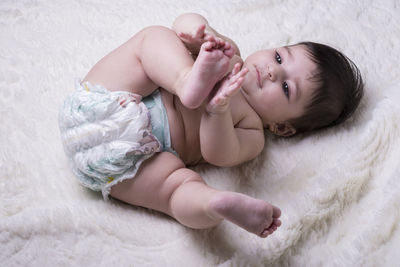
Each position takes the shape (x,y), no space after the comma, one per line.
(157,30)
(156,36)
(178,179)
(188,203)
(182,176)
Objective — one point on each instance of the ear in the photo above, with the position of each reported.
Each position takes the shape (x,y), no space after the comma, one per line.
(282,129)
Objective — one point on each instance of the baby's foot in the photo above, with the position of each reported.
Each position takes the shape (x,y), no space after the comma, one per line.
(210,66)
(253,215)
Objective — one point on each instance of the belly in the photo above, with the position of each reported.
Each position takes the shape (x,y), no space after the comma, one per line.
(185,128)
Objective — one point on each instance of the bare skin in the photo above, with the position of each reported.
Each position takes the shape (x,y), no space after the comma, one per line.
(235,207)
(156,58)
(210,66)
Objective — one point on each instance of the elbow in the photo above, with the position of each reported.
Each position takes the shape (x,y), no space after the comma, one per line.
(230,157)
(227,159)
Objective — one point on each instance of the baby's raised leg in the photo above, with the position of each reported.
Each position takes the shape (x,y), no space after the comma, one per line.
(210,67)
(164,184)
(167,62)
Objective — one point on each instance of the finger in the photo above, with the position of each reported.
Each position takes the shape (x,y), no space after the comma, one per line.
(233,88)
(220,101)
(233,77)
(184,36)
(121,103)
(234,71)
(208,45)
(237,75)
(210,38)
(236,68)
(243,72)
(220,42)
(229,90)
(200,31)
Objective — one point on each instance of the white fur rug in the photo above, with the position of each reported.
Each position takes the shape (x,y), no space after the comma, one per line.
(339,190)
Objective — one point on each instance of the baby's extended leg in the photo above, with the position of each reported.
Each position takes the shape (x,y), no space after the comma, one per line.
(164,184)
(167,62)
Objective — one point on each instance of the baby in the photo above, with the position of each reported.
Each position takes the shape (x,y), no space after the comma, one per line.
(167,99)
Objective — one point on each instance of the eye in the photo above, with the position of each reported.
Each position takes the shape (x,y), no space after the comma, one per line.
(285,88)
(278,57)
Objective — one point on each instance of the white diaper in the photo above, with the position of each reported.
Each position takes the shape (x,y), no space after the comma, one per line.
(106,135)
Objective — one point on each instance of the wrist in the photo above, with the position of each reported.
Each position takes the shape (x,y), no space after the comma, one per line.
(217,111)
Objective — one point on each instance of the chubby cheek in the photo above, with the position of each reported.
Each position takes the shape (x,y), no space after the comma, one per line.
(249,81)
(269,94)
(273,106)
(245,84)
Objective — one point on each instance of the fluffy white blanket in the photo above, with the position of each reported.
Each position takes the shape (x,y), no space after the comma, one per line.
(338,189)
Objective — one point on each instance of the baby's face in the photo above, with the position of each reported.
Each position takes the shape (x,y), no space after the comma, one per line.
(278,84)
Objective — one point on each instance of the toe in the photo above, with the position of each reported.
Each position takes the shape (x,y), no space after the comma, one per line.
(277,222)
(265,233)
(276,212)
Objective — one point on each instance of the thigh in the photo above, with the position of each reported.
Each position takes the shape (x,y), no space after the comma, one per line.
(154,183)
(164,57)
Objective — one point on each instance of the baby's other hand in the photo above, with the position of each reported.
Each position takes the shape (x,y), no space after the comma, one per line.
(193,41)
(226,88)
(124,100)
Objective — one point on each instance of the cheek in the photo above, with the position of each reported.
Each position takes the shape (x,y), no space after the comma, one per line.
(272,93)
(250,76)
(246,81)
(274,105)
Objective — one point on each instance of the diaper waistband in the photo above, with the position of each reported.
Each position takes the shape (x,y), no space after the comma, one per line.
(159,120)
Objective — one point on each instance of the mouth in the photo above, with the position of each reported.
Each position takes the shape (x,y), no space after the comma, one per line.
(258,76)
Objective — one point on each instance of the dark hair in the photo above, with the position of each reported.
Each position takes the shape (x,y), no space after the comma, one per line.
(338,94)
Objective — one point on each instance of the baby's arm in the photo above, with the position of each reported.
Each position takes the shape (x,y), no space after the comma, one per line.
(222,142)
(193,29)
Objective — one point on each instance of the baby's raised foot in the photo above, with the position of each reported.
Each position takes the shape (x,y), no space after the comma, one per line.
(210,66)
(253,215)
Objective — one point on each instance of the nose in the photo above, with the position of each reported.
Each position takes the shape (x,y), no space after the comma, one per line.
(273,72)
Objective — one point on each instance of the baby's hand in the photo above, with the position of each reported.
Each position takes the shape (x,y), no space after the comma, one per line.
(226,88)
(194,41)
(124,100)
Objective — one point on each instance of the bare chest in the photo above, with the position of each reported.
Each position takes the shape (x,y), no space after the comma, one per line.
(185,124)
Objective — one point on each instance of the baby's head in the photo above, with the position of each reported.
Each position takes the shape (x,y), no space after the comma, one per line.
(304,87)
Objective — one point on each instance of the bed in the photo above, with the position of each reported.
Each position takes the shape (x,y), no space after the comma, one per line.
(338,189)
